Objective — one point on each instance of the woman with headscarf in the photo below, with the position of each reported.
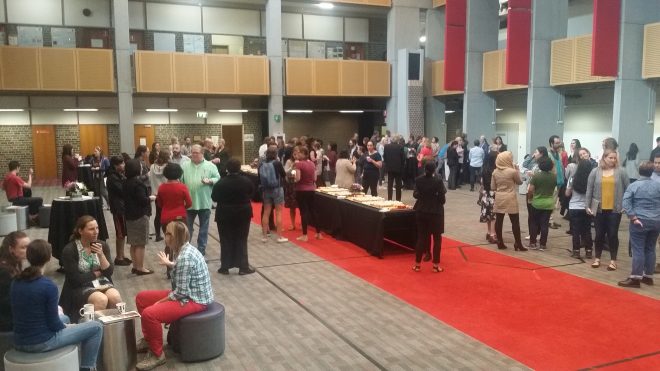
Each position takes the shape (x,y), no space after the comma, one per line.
(505,181)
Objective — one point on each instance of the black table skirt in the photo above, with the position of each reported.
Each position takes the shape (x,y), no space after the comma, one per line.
(254,178)
(86,177)
(63,217)
(363,225)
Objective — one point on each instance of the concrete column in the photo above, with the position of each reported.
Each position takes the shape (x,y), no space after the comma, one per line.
(634,98)
(545,104)
(434,108)
(274,52)
(403,31)
(124,75)
(482,29)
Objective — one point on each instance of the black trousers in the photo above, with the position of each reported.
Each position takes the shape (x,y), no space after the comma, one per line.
(33,203)
(454,171)
(515,226)
(475,175)
(428,225)
(540,221)
(607,226)
(370,181)
(233,244)
(394,177)
(580,229)
(305,201)
(157,226)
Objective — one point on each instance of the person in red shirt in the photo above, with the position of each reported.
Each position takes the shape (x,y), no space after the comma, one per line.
(14,187)
(173,198)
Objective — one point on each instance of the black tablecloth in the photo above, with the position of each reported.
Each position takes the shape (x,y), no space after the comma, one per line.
(63,217)
(363,225)
(86,177)
(254,178)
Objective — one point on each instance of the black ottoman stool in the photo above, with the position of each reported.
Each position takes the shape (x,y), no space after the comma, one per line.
(200,336)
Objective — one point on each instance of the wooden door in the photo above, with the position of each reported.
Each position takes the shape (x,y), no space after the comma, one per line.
(233,136)
(45,153)
(92,136)
(145,134)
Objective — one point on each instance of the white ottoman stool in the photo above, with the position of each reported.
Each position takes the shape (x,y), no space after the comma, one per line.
(63,359)
(7,223)
(21,215)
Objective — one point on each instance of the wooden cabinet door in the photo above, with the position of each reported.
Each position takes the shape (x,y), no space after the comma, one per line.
(233,136)
(45,153)
(146,132)
(92,136)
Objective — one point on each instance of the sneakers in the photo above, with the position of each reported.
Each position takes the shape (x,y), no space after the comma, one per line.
(282,240)
(142,346)
(151,361)
(542,247)
(588,254)
(575,254)
(533,246)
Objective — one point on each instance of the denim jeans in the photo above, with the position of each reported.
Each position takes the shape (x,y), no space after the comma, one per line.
(203,235)
(87,334)
(607,224)
(642,240)
(475,176)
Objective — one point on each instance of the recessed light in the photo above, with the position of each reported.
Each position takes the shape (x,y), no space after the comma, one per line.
(499,109)
(232,110)
(325,5)
(80,109)
(11,110)
(449,111)
(299,111)
(351,111)
(161,110)
(422,39)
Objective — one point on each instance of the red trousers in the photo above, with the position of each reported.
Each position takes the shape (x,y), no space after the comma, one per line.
(154,314)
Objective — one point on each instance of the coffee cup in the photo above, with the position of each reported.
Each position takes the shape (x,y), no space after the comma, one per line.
(87,312)
(90,194)
(121,307)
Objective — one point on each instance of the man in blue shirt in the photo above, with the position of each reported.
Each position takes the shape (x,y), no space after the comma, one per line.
(641,203)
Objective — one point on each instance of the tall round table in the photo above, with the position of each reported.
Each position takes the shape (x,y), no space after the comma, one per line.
(65,212)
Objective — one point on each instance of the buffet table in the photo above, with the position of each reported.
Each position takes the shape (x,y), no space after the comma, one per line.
(363,225)
(252,174)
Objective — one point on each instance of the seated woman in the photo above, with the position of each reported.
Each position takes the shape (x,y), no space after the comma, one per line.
(88,271)
(191,293)
(12,254)
(37,326)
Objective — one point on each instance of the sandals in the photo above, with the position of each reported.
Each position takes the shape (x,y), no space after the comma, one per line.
(437,269)
(612,266)
(595,264)
(416,268)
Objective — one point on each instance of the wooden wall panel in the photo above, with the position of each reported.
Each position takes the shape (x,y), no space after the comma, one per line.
(189,73)
(438,3)
(583,59)
(437,77)
(364,2)
(353,78)
(45,153)
(299,76)
(651,54)
(326,77)
(378,79)
(58,69)
(154,72)
(252,75)
(491,71)
(561,64)
(92,136)
(20,68)
(220,74)
(96,70)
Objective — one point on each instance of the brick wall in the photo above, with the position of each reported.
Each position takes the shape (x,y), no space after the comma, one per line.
(165,132)
(114,144)
(13,149)
(253,124)
(66,134)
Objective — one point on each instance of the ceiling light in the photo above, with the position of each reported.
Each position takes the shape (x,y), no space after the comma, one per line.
(499,109)
(80,109)
(232,110)
(161,110)
(449,111)
(299,111)
(11,110)
(351,111)
(326,6)
(422,39)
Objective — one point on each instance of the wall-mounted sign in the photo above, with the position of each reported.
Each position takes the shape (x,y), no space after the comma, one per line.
(248,137)
(202,114)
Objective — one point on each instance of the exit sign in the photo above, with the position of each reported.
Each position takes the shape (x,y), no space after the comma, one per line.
(202,114)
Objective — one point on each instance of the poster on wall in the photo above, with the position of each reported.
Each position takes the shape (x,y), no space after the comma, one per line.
(30,36)
(316,49)
(164,42)
(297,49)
(63,37)
(193,44)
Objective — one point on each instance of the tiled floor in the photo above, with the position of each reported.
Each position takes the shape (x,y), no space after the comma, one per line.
(301,312)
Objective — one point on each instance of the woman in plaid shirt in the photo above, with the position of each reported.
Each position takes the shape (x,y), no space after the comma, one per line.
(191,293)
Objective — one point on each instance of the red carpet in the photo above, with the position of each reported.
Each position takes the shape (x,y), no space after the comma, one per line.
(541,317)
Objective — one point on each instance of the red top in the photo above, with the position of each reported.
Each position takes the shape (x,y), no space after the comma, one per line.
(307,175)
(174,199)
(426,151)
(13,185)
(564,159)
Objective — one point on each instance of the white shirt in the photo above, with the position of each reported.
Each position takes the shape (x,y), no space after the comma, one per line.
(262,150)
(476,156)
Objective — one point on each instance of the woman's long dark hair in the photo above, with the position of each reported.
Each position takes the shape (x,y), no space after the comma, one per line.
(489,167)
(38,254)
(632,153)
(8,259)
(581,176)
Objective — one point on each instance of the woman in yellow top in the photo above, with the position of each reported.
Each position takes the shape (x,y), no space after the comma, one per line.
(604,199)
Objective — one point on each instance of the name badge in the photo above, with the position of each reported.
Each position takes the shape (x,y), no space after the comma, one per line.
(96,283)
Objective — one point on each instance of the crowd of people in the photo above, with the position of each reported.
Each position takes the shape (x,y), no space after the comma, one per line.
(186,181)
